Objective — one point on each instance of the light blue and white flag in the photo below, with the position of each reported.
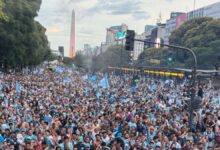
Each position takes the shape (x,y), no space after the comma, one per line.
(104,82)
(59,69)
(18,87)
(92,80)
(66,80)
(98,94)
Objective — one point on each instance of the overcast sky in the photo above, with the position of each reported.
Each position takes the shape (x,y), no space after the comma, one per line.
(94,16)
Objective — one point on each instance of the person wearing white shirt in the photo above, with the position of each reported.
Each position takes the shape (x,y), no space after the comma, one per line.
(175,144)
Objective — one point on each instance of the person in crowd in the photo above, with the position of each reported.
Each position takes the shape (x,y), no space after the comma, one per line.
(71,109)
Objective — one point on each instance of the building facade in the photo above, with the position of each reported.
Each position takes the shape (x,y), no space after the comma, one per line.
(87,50)
(195,13)
(138,46)
(212,10)
(161,30)
(175,21)
(170,27)
(148,29)
(61,51)
(111,35)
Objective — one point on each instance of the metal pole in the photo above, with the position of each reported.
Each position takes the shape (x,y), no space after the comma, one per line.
(193,85)
(194,5)
(194,78)
(121,58)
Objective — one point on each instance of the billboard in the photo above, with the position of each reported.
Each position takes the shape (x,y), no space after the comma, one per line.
(180,20)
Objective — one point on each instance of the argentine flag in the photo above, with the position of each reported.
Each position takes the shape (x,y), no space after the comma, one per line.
(104,82)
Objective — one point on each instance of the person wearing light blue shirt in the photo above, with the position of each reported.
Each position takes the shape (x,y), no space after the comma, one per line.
(66,143)
(48,118)
(1,139)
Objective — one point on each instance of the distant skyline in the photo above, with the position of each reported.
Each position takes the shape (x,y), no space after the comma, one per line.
(94,16)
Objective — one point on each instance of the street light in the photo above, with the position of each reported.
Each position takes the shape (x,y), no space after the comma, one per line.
(119,36)
(194,70)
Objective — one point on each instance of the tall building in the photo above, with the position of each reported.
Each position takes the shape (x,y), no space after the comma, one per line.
(157,33)
(87,49)
(138,46)
(148,29)
(72,52)
(212,10)
(175,14)
(175,21)
(170,27)
(61,50)
(161,30)
(195,13)
(112,34)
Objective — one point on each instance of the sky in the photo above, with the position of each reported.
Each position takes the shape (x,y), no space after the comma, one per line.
(94,16)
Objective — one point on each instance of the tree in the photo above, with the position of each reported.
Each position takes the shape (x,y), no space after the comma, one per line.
(68,61)
(80,60)
(111,57)
(23,40)
(3,17)
(202,35)
(161,54)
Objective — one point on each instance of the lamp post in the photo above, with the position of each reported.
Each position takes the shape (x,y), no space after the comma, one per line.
(194,72)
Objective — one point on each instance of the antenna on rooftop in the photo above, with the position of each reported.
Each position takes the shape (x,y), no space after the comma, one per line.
(159,20)
(194,5)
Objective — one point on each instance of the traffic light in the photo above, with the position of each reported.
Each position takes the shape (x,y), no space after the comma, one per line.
(135,80)
(170,58)
(129,44)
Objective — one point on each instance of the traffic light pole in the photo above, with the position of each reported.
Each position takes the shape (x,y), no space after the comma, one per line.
(194,78)
(121,58)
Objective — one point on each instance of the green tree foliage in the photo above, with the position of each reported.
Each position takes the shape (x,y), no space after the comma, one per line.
(161,54)
(3,17)
(80,61)
(68,61)
(202,35)
(23,40)
(111,57)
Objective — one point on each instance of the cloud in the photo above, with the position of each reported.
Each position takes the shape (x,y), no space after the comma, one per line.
(122,7)
(75,1)
(54,29)
(94,16)
(138,15)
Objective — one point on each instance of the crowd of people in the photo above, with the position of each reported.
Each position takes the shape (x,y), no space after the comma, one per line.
(45,111)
